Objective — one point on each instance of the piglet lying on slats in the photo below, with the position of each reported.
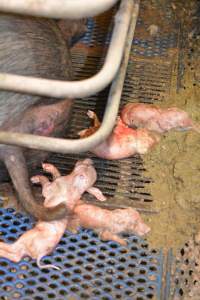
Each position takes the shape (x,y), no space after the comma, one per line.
(42,239)
(123,142)
(108,224)
(153,118)
(36,242)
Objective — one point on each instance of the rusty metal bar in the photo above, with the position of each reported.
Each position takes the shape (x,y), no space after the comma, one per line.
(81,88)
(81,145)
(66,9)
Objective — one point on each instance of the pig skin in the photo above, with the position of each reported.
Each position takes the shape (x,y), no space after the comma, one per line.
(106,222)
(42,239)
(156,119)
(123,142)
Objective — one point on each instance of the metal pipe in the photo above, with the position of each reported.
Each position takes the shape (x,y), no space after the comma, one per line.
(82,88)
(81,145)
(66,9)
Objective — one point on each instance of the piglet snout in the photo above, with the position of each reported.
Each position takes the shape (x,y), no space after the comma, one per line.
(87,162)
(141,228)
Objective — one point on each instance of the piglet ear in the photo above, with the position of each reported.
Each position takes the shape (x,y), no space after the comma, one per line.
(79,182)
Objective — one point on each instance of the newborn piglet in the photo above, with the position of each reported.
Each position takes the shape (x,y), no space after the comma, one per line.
(42,239)
(123,141)
(108,224)
(36,242)
(153,118)
(69,189)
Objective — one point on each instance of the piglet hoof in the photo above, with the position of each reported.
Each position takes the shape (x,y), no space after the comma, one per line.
(97,193)
(102,198)
(122,242)
(49,168)
(35,179)
(42,180)
(91,114)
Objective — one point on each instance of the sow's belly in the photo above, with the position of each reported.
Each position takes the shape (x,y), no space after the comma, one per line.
(44,120)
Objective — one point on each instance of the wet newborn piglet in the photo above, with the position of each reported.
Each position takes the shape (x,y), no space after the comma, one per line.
(108,224)
(42,239)
(69,189)
(123,142)
(36,242)
(153,118)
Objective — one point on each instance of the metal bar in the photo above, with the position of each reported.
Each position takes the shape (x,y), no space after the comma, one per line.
(81,88)
(70,9)
(81,145)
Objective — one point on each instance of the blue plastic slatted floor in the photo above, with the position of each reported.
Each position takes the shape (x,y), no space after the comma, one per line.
(90,269)
(158,46)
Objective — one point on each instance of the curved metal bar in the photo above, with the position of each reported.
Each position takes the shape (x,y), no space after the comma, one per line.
(82,88)
(81,145)
(66,9)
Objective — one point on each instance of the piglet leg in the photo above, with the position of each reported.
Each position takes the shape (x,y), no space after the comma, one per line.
(107,235)
(94,117)
(96,124)
(73,225)
(43,180)
(49,168)
(97,193)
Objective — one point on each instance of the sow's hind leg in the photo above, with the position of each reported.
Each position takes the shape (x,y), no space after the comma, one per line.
(16,165)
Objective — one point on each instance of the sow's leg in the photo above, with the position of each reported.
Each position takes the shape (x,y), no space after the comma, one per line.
(44,120)
(16,166)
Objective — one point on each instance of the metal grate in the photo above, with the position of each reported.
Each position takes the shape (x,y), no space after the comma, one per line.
(146,82)
(155,47)
(120,181)
(90,269)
